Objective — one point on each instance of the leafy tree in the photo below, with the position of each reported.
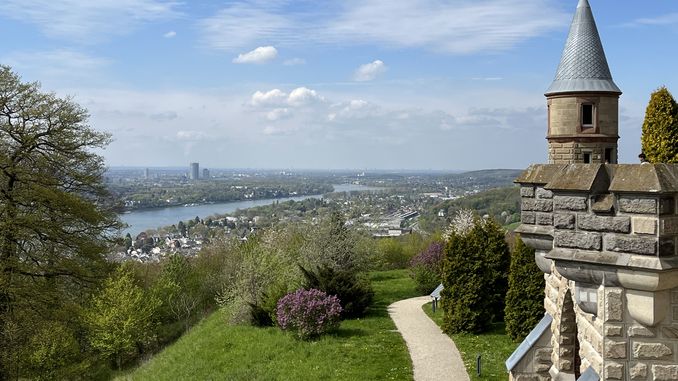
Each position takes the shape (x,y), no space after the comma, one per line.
(52,353)
(55,215)
(660,128)
(120,318)
(254,271)
(332,244)
(177,288)
(474,276)
(525,296)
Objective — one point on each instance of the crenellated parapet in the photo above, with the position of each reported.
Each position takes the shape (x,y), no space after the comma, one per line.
(605,236)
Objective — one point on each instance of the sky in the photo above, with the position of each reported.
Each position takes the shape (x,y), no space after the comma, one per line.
(351,84)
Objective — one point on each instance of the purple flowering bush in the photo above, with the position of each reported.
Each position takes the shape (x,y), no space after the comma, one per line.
(426,268)
(308,313)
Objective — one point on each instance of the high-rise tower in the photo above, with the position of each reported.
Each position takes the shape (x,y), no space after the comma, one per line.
(583,100)
(194,174)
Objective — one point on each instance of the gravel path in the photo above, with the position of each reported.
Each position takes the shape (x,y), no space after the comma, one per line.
(434,355)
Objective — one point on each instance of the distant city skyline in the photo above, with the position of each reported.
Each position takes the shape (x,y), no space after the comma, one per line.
(422,84)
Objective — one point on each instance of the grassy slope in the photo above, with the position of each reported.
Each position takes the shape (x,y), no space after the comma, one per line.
(494,347)
(361,349)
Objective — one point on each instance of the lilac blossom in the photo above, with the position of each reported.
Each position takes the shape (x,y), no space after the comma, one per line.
(426,267)
(308,313)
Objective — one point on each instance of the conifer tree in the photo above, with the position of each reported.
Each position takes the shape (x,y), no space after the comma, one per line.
(525,296)
(660,128)
(475,272)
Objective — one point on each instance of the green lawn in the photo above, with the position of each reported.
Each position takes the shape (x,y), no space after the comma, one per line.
(362,349)
(494,347)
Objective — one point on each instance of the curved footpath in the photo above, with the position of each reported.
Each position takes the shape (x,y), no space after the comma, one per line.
(434,355)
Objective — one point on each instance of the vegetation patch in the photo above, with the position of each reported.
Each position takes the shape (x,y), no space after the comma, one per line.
(361,349)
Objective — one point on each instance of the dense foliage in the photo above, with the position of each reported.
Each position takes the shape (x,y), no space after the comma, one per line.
(502,204)
(525,295)
(256,271)
(56,218)
(660,129)
(120,319)
(353,289)
(308,313)
(426,268)
(475,272)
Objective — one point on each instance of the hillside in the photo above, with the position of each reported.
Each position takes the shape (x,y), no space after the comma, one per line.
(503,204)
(362,349)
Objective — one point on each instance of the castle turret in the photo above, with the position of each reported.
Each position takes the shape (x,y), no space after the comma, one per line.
(605,235)
(583,100)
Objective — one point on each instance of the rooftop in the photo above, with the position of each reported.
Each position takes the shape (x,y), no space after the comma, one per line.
(583,66)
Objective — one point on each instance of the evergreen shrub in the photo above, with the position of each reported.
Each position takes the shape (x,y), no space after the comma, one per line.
(353,289)
(660,128)
(308,313)
(525,296)
(475,271)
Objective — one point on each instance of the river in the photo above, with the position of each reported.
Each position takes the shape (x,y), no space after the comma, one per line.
(141,220)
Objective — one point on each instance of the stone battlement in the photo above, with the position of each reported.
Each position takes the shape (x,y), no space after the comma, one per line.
(605,236)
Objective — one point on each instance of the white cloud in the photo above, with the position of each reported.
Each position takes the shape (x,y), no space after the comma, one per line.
(370,71)
(156,128)
(67,59)
(353,109)
(60,66)
(303,96)
(87,21)
(294,62)
(277,114)
(276,98)
(242,24)
(273,97)
(170,34)
(460,27)
(259,55)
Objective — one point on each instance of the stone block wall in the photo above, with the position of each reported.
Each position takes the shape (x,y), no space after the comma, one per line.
(571,151)
(606,237)
(630,224)
(565,116)
(536,363)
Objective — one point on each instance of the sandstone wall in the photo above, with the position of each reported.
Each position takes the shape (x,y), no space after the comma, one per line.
(606,239)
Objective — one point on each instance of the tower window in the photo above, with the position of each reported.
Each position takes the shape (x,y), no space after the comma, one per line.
(587,115)
(587,157)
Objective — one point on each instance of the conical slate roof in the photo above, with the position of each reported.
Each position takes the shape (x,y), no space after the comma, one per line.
(583,66)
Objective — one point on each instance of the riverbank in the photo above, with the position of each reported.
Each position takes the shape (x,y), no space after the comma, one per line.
(142,220)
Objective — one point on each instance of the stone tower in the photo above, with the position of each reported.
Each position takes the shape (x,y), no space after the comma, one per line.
(583,99)
(605,236)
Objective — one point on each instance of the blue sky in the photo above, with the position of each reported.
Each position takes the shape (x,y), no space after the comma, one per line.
(364,84)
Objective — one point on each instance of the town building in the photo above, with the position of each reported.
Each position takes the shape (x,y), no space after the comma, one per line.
(604,235)
(194,173)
